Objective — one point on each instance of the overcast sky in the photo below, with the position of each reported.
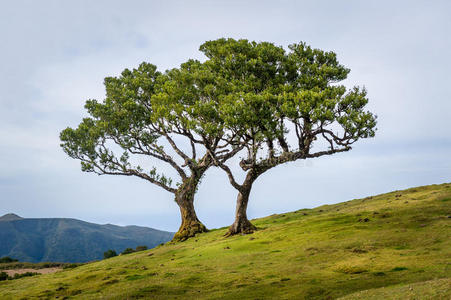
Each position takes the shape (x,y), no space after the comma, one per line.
(55,54)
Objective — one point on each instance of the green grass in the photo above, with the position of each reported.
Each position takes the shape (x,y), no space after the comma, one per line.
(432,289)
(395,244)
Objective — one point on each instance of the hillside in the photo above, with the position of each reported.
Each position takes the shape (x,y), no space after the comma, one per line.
(69,240)
(390,246)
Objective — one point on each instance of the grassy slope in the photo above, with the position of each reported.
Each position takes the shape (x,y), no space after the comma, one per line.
(323,253)
(431,289)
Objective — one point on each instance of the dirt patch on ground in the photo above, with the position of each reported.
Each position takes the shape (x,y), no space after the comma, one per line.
(41,271)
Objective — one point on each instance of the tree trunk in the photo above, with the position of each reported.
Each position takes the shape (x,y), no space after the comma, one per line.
(184,197)
(242,225)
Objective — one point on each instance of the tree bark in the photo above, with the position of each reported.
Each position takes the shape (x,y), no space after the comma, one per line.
(184,197)
(242,225)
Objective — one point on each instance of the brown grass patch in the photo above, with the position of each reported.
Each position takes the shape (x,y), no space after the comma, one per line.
(40,271)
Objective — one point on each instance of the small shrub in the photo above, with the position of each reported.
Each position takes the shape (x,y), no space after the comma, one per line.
(75,292)
(346,269)
(359,251)
(27,274)
(3,276)
(72,265)
(7,259)
(285,279)
(396,269)
(113,281)
(134,277)
(128,251)
(109,253)
(141,248)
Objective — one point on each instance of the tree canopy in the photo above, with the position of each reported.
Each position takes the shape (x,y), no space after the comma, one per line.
(284,106)
(154,115)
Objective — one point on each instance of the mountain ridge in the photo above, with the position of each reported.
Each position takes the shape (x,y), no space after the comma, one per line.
(10,217)
(70,240)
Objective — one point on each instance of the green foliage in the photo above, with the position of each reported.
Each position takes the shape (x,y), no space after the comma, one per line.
(396,269)
(143,111)
(127,251)
(7,259)
(3,276)
(252,75)
(26,274)
(283,106)
(71,265)
(246,95)
(272,94)
(141,248)
(130,250)
(325,254)
(108,254)
(122,119)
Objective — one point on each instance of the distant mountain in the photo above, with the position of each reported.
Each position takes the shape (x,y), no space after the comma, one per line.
(10,217)
(70,240)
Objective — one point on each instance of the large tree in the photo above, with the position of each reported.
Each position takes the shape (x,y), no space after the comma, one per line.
(283,107)
(148,117)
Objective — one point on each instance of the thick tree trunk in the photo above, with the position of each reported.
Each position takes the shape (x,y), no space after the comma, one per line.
(242,225)
(184,197)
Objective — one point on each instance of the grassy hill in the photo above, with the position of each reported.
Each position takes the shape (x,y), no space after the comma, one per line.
(391,246)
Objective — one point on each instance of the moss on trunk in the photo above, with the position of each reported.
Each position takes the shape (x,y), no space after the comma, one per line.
(185,199)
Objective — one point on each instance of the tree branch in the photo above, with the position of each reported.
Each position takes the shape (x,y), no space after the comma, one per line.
(126,172)
(176,149)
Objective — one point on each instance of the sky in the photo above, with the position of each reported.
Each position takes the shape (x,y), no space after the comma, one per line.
(54,56)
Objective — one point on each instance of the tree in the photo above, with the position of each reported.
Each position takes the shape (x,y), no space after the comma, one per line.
(152,115)
(109,253)
(4,276)
(141,248)
(127,251)
(283,107)
(7,259)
